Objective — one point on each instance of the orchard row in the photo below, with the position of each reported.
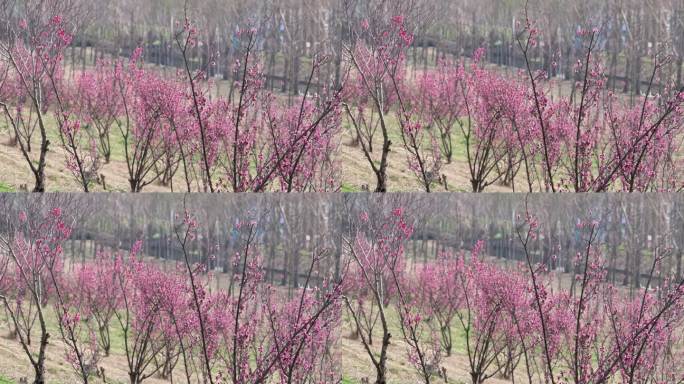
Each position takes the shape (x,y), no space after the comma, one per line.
(506,129)
(523,322)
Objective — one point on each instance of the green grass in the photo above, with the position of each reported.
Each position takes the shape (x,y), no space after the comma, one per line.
(348,188)
(5,188)
(4,380)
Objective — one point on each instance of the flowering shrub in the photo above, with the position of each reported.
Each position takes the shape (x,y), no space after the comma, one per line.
(507,129)
(512,321)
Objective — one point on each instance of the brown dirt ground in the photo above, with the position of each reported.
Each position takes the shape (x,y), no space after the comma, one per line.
(355,170)
(14,365)
(355,363)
